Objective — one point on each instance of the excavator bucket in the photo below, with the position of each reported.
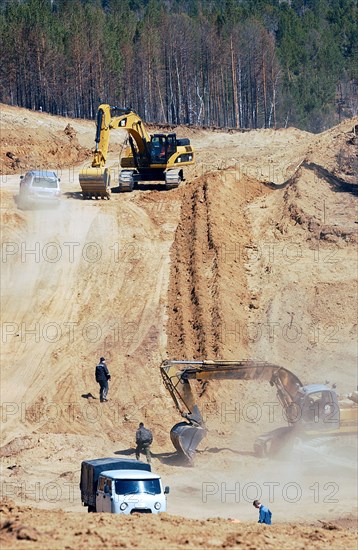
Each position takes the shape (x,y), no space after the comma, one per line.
(186,438)
(95,182)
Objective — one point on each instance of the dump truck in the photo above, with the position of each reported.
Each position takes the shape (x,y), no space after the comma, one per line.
(121,486)
(314,414)
(146,158)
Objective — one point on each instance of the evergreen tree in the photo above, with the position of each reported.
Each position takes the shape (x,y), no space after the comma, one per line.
(225,63)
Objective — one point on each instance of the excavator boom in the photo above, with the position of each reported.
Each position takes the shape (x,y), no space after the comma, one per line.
(127,120)
(313,411)
(177,375)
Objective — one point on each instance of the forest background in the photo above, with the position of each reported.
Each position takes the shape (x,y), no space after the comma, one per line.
(218,63)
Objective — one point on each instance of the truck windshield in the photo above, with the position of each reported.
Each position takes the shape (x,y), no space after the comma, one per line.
(135,486)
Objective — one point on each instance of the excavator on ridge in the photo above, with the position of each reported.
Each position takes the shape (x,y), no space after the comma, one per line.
(313,412)
(157,157)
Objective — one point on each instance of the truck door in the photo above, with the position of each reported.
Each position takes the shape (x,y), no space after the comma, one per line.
(107,496)
(99,494)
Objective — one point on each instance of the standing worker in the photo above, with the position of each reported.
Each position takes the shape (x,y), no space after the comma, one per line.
(144,439)
(264,513)
(102,377)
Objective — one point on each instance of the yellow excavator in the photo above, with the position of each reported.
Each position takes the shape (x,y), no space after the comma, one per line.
(157,157)
(313,412)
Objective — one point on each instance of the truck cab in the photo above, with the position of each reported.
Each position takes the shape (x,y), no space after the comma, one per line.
(121,486)
(129,491)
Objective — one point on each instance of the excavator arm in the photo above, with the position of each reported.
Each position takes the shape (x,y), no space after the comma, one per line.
(177,375)
(96,180)
(127,120)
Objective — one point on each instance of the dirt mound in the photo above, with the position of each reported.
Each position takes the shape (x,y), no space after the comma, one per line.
(328,165)
(56,529)
(25,148)
(194,320)
(17,445)
(307,235)
(308,202)
(336,151)
(247,282)
(208,284)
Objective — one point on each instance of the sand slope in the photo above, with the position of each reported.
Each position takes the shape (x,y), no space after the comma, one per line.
(225,266)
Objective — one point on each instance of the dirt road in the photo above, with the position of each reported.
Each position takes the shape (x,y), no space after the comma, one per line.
(224,266)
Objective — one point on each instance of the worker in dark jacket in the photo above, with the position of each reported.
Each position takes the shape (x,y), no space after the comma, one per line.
(143,439)
(102,377)
(264,513)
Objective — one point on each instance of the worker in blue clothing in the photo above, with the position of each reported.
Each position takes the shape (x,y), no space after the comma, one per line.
(264,513)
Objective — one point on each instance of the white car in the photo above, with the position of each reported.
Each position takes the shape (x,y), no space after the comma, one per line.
(128,491)
(39,188)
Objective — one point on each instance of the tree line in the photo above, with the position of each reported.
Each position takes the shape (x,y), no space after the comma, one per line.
(223,63)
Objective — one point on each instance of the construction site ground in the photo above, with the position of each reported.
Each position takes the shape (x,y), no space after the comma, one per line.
(226,266)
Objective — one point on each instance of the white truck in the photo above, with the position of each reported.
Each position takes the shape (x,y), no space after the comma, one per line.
(121,486)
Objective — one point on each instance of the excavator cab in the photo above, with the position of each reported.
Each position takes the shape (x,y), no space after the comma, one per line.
(319,405)
(162,146)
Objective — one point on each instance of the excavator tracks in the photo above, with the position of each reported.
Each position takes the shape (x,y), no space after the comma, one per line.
(126,181)
(173,178)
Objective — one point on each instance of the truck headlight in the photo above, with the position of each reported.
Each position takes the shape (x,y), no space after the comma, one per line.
(123,506)
(157,506)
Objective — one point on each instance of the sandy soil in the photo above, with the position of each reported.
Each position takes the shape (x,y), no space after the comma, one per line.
(225,266)
(25,528)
